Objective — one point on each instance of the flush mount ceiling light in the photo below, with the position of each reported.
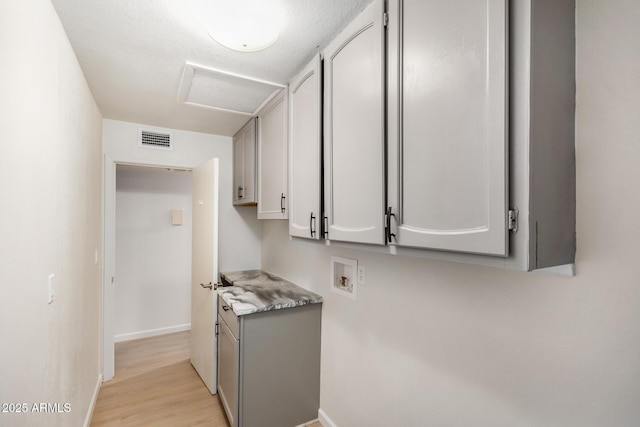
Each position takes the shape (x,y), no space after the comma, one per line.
(244,25)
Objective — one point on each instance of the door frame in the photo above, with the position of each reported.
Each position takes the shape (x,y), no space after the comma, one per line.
(107,306)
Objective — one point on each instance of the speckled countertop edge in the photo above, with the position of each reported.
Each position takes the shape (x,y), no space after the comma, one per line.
(255,291)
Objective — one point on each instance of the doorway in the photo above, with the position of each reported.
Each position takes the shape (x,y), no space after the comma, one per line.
(153,251)
(145,312)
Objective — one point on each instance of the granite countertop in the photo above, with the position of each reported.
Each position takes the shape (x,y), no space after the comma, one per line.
(254,291)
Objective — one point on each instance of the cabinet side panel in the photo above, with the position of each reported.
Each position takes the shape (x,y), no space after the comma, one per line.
(281,367)
(553,176)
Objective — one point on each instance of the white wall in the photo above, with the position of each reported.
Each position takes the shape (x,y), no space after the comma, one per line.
(153,257)
(431,343)
(240,231)
(50,186)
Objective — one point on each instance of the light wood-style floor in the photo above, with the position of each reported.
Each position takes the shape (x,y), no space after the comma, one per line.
(155,385)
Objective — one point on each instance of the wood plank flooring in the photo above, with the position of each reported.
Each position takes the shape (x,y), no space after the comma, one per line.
(155,385)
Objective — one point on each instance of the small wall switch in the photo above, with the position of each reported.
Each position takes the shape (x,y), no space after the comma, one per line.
(95,257)
(176,217)
(52,287)
(360,274)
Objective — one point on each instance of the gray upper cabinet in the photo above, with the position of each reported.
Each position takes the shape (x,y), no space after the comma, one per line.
(481,156)
(447,135)
(305,151)
(354,130)
(244,165)
(272,159)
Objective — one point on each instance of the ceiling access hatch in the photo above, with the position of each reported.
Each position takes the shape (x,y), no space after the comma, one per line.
(224,91)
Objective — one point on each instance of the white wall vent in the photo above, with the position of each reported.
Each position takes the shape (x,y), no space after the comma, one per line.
(155,139)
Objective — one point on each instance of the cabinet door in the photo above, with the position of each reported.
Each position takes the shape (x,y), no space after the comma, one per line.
(249,143)
(244,164)
(272,159)
(354,130)
(305,145)
(447,176)
(228,373)
(238,166)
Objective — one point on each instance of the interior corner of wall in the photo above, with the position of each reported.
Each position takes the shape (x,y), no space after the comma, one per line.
(324,419)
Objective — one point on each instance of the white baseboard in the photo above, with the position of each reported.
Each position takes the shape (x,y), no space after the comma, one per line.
(324,419)
(568,270)
(94,399)
(308,423)
(151,332)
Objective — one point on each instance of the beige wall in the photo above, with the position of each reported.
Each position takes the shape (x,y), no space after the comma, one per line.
(431,343)
(153,256)
(50,221)
(240,229)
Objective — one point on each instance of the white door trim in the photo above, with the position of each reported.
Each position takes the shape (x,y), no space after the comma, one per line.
(107,344)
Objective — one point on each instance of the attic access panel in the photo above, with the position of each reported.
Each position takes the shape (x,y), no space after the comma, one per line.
(221,90)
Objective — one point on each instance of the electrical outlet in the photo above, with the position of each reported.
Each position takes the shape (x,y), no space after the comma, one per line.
(360,274)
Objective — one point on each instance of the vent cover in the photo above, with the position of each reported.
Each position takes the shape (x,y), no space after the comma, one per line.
(155,139)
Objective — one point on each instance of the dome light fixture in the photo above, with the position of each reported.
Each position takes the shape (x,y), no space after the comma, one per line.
(244,25)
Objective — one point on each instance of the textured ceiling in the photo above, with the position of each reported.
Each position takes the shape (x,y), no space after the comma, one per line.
(133,54)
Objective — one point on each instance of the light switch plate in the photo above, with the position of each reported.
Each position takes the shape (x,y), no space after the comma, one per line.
(176,217)
(52,287)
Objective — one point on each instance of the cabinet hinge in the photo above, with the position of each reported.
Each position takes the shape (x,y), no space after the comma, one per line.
(217,330)
(513,219)
(385,19)
(325,227)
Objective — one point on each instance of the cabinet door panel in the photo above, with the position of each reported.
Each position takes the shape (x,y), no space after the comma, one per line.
(238,166)
(354,130)
(249,162)
(305,152)
(272,159)
(244,164)
(448,124)
(228,371)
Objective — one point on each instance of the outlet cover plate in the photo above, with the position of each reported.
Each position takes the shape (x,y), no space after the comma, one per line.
(361,274)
